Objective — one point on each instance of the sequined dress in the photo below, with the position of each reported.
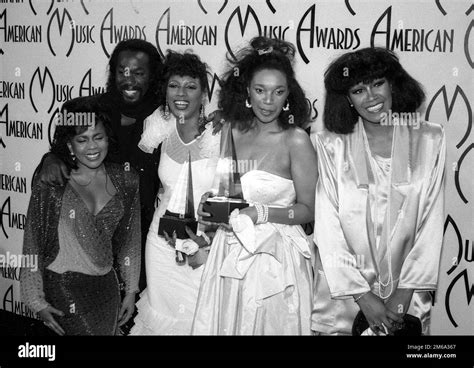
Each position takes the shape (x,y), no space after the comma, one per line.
(76,252)
(166,306)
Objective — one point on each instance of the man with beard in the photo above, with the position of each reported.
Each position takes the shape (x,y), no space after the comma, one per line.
(132,94)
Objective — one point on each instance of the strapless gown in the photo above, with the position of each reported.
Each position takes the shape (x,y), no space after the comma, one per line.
(258,280)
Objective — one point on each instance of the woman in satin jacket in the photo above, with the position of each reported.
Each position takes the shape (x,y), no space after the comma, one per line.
(379,199)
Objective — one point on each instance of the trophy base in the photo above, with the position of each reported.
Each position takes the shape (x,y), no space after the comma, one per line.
(171,222)
(220,208)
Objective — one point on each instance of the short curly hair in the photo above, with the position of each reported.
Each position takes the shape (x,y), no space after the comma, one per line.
(263,53)
(154,59)
(364,66)
(64,133)
(183,64)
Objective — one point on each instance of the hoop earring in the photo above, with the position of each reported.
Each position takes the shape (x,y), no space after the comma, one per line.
(166,112)
(287,106)
(248,105)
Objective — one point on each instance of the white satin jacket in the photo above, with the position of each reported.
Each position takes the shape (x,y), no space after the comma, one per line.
(409,251)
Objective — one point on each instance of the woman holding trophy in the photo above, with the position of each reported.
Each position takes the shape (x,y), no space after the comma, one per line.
(189,154)
(258,277)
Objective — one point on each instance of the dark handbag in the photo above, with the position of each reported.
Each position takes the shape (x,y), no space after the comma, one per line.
(411,325)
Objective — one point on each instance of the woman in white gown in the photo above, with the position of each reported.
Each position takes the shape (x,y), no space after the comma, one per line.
(166,306)
(258,277)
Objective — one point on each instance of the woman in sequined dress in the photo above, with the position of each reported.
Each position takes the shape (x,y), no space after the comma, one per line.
(80,229)
(166,306)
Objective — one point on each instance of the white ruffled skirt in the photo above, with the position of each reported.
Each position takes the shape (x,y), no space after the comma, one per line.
(257,281)
(166,306)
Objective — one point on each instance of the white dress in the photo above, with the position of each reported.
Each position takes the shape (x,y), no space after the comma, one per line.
(167,305)
(257,279)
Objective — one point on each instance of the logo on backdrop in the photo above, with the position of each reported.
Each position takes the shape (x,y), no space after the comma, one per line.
(461,278)
(42,2)
(467,50)
(86,88)
(449,106)
(16,306)
(169,34)
(9,219)
(248,27)
(12,183)
(312,108)
(13,90)
(401,38)
(218,12)
(210,88)
(69,29)
(459,166)
(19,32)
(18,129)
(111,34)
(308,34)
(58,92)
(47,89)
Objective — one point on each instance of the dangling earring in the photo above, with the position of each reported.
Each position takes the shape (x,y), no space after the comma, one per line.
(73,156)
(166,113)
(287,106)
(248,105)
(202,114)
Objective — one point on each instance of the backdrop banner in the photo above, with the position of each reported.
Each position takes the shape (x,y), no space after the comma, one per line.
(52,51)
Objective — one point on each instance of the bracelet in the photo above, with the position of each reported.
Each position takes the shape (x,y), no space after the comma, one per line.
(262,213)
(360,296)
(206,238)
(265,214)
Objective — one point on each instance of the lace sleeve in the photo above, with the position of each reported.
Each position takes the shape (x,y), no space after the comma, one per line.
(155,130)
(209,144)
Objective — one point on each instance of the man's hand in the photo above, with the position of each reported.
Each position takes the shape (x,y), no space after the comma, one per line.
(54,171)
(217,121)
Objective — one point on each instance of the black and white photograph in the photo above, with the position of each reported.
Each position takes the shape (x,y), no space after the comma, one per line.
(237,180)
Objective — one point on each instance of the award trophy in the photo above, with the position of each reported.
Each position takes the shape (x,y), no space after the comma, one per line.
(227,184)
(176,222)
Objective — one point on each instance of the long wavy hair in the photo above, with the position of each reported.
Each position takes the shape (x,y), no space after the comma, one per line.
(364,66)
(263,53)
(65,133)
